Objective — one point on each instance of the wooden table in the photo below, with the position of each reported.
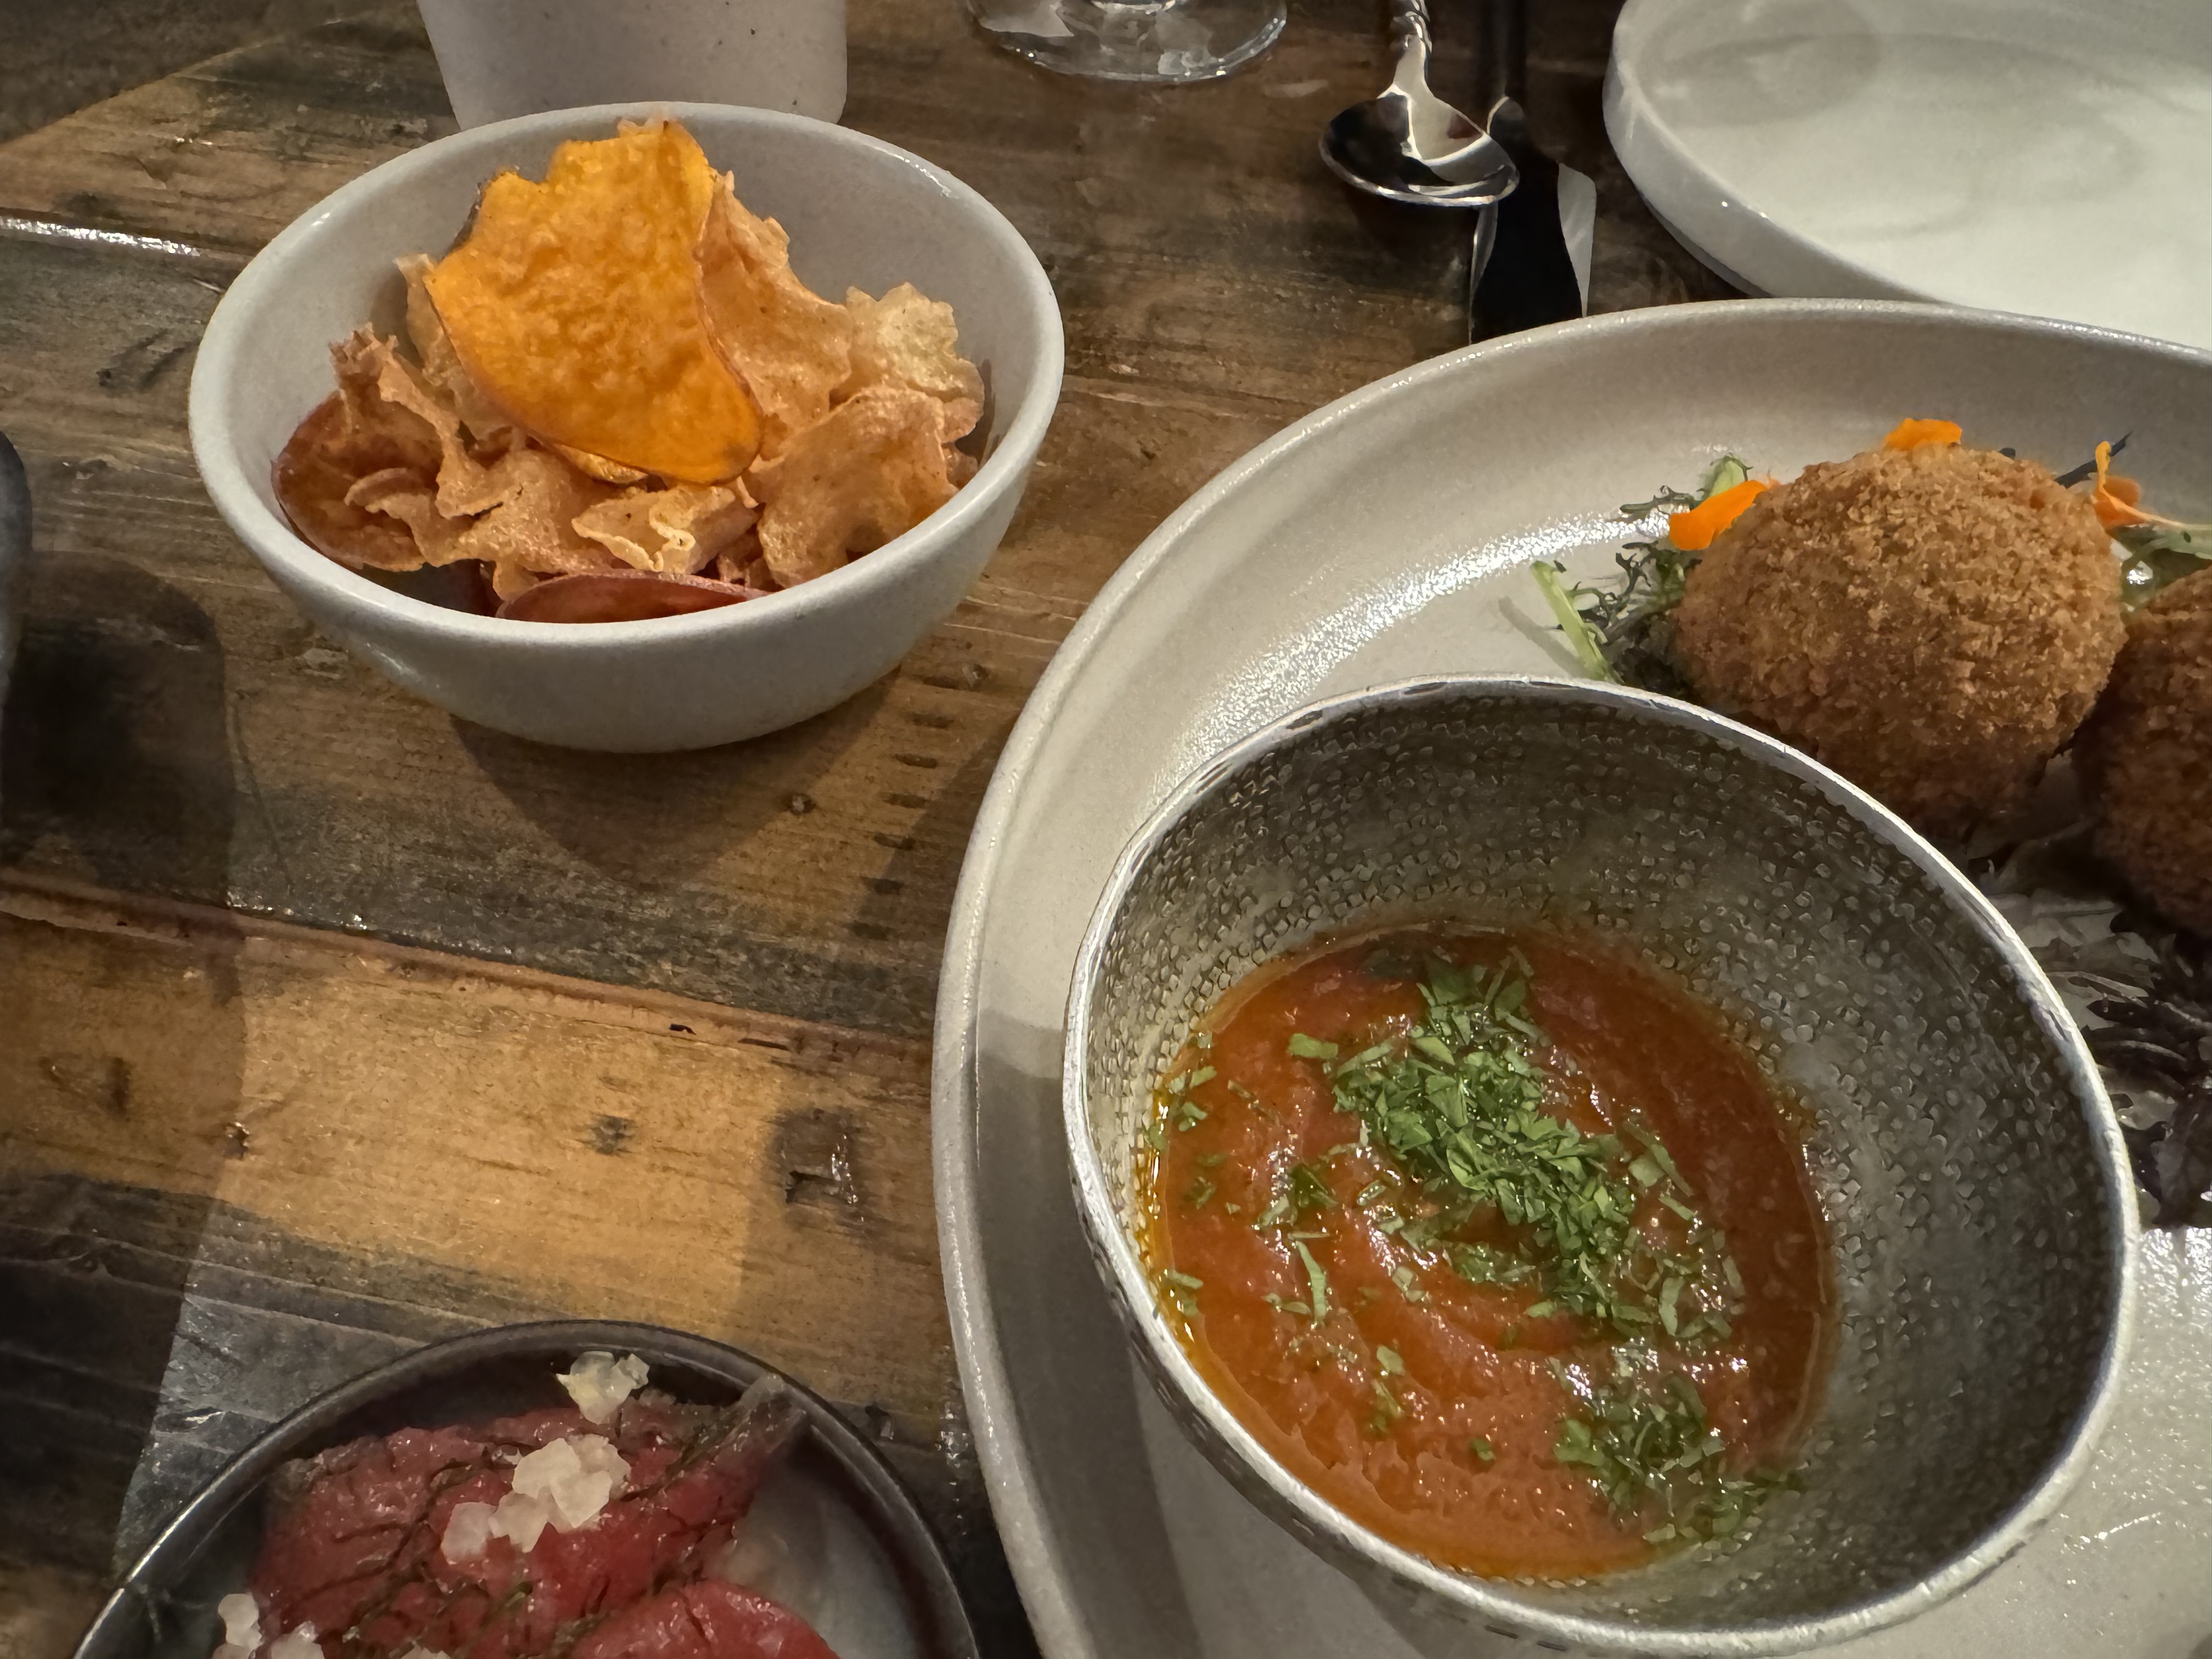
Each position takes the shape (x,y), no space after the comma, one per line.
(330,1025)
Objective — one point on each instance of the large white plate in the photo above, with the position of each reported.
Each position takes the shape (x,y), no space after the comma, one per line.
(1381,538)
(2045,156)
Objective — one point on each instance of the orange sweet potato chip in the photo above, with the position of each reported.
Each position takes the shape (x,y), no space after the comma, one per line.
(791,347)
(575,306)
(906,338)
(873,470)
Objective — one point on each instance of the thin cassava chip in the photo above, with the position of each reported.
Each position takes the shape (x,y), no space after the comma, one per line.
(907,338)
(791,347)
(466,485)
(675,530)
(575,306)
(873,470)
(400,494)
(441,364)
(599,466)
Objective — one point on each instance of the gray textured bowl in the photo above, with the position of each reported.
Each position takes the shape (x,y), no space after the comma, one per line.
(1966,1159)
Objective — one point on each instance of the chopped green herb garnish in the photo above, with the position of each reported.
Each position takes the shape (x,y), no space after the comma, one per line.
(1402,1276)
(1198,1192)
(1179,1288)
(1482,1448)
(1302,1047)
(1460,1106)
(1201,1040)
(1186,1114)
(1157,1141)
(1210,1160)
(1317,1282)
(1278,1212)
(1203,1074)
(1386,1412)
(1309,1191)
(1647,1443)
(1387,1358)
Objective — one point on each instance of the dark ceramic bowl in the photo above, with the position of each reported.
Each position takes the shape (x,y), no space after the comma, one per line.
(896,1596)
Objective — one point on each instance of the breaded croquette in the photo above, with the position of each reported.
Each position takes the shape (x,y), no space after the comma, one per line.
(2145,755)
(1933,623)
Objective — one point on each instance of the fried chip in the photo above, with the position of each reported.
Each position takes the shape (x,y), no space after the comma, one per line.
(466,485)
(349,435)
(574,306)
(791,347)
(619,596)
(675,530)
(533,523)
(313,477)
(741,562)
(400,494)
(906,338)
(599,466)
(440,364)
(871,470)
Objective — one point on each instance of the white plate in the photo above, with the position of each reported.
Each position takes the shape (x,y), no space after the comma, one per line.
(2042,156)
(1381,538)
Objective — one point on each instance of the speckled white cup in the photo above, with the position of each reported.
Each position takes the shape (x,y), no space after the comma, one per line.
(501,59)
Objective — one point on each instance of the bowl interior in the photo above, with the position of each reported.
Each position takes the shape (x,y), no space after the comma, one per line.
(1962,1153)
(860,214)
(895,1594)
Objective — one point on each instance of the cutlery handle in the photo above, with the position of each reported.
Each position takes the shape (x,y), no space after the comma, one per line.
(1501,62)
(1409,23)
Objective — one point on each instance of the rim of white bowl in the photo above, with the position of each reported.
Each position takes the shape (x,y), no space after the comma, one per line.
(214,398)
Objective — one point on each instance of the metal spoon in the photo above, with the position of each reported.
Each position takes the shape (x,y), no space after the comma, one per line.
(1407,145)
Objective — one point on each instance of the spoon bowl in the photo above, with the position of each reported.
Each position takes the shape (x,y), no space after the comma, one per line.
(1407,144)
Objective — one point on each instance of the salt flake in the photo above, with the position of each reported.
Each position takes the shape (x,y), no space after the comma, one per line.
(520,1519)
(241,1620)
(468,1531)
(600,1382)
(575,1478)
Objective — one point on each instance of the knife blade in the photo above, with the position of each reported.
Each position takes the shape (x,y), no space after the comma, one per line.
(1535,268)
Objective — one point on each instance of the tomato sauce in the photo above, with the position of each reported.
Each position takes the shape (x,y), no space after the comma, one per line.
(1427,1407)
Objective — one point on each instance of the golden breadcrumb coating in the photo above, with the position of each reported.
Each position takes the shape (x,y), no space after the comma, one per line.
(2145,755)
(1933,623)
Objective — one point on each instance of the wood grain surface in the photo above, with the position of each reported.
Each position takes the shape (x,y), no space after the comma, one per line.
(332,1025)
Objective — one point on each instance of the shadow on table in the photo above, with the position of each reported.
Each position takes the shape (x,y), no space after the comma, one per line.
(121,1061)
(656,821)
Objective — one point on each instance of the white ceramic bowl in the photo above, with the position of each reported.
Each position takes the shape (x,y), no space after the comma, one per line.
(860,214)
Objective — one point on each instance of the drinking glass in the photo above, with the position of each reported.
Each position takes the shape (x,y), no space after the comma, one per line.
(1169,41)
